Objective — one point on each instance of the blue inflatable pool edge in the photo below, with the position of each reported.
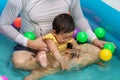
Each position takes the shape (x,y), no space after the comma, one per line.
(2,4)
(101,14)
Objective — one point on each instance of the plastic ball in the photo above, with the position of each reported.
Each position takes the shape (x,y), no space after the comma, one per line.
(30,35)
(76,32)
(105,55)
(82,37)
(109,46)
(4,78)
(17,22)
(99,32)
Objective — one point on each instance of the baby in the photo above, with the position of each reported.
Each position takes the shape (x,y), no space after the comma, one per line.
(63,29)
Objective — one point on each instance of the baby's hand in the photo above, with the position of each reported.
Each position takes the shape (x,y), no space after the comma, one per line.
(64,64)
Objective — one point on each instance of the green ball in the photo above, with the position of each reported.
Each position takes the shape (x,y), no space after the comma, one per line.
(30,35)
(82,37)
(109,46)
(99,32)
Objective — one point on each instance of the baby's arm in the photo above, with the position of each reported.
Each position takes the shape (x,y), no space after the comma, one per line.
(53,48)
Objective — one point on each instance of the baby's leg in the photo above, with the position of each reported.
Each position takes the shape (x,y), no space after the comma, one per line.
(24,60)
(42,58)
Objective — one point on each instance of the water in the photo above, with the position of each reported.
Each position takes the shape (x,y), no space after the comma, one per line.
(111,70)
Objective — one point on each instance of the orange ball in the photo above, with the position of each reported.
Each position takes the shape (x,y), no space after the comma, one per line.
(105,55)
(17,22)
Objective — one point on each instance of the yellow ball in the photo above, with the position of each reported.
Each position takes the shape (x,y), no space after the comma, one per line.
(105,55)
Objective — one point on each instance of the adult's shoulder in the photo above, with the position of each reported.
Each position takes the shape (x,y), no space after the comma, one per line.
(19,3)
(73,2)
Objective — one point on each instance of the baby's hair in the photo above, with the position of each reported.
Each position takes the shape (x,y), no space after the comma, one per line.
(63,23)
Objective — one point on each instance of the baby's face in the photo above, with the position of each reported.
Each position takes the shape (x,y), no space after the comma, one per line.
(64,37)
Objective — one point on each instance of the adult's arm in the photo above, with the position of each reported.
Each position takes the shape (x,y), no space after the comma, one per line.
(80,20)
(10,12)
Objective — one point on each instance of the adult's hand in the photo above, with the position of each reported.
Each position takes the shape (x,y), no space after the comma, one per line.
(37,44)
(98,43)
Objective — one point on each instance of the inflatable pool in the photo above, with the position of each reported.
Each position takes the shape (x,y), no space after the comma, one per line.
(99,13)
(104,13)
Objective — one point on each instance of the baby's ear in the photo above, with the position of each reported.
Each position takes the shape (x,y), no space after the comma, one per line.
(54,32)
(69,46)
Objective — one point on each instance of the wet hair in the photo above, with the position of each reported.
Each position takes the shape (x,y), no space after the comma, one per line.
(63,23)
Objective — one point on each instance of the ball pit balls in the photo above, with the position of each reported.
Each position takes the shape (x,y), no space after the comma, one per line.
(76,32)
(109,46)
(99,32)
(82,37)
(105,55)
(17,22)
(30,35)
